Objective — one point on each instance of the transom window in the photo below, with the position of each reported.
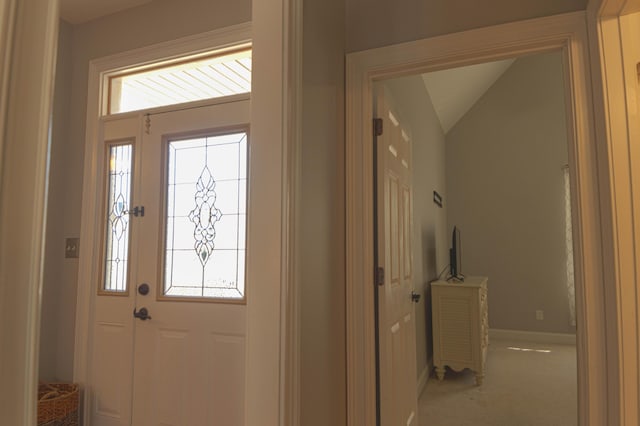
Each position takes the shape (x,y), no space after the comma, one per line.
(217,74)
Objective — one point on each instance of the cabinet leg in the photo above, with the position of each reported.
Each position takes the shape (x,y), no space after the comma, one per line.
(440,373)
(479,378)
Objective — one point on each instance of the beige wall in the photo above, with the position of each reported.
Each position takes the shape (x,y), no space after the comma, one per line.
(380,23)
(430,246)
(505,191)
(156,22)
(322,226)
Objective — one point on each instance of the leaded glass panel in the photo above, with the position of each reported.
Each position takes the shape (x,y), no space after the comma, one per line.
(116,258)
(206,217)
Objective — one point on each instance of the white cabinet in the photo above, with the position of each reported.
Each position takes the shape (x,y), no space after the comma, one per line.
(460,325)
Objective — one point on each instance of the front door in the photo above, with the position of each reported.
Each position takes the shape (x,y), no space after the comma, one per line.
(168,346)
(396,318)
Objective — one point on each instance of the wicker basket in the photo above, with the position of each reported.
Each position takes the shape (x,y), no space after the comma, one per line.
(58,404)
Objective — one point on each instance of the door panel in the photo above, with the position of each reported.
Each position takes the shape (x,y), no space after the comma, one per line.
(115,394)
(396,319)
(111,359)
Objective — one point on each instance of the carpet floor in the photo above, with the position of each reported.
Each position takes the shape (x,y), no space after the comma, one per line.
(525,384)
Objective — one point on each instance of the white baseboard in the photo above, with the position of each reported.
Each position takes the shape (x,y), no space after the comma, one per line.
(424,376)
(532,336)
(422,380)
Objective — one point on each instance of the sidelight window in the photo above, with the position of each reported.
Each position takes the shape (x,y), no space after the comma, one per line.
(116,258)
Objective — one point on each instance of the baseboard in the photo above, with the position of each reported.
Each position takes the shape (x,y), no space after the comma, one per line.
(424,375)
(422,380)
(532,336)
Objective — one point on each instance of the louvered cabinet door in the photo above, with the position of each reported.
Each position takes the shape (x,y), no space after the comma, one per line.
(460,325)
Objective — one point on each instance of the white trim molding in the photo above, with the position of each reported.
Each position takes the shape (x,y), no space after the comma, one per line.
(615,53)
(565,33)
(532,336)
(28,46)
(290,296)
(423,379)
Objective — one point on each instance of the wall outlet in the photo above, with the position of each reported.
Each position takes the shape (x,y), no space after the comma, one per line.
(539,315)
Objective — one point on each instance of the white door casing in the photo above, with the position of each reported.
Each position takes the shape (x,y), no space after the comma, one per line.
(92,215)
(396,313)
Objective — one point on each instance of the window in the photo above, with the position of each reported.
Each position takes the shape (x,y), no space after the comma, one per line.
(206,216)
(217,74)
(116,257)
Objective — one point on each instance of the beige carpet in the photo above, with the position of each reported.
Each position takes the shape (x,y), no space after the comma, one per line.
(530,387)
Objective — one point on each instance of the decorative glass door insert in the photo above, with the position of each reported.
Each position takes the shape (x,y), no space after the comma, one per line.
(205,219)
(116,257)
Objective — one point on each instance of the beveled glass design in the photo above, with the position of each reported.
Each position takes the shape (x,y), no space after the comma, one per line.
(116,257)
(206,217)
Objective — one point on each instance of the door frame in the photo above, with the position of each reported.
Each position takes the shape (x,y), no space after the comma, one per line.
(272,371)
(597,376)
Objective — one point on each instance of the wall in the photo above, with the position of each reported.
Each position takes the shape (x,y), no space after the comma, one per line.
(430,243)
(58,292)
(322,226)
(505,189)
(380,23)
(152,23)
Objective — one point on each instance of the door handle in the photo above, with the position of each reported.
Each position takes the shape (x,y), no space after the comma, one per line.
(415,297)
(142,314)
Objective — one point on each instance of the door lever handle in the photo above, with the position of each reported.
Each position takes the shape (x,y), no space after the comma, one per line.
(142,314)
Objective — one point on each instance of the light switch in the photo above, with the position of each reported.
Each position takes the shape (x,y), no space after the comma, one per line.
(71,247)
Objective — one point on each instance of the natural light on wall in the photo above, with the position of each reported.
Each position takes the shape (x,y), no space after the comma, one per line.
(212,76)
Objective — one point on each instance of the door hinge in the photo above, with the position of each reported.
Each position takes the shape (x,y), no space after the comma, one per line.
(137,211)
(377,126)
(380,275)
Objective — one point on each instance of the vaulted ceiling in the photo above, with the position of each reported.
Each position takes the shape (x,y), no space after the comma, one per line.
(453,92)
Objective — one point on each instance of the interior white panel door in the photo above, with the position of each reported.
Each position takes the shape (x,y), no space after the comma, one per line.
(396,318)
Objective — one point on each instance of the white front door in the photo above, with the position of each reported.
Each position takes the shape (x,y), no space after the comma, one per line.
(169,331)
(396,318)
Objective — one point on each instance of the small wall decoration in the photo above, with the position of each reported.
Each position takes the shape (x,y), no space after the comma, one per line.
(437,198)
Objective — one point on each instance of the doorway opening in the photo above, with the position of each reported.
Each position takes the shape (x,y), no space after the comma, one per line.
(491,140)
